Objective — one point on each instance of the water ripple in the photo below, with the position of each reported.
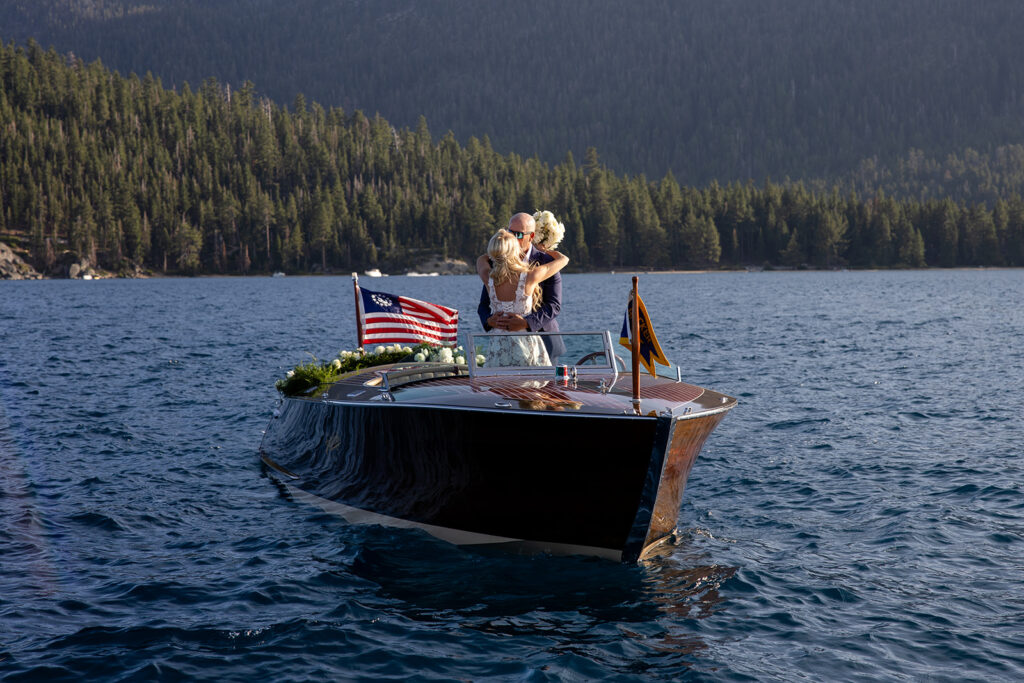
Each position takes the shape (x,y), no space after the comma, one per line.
(858,517)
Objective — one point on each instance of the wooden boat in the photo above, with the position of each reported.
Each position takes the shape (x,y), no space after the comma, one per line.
(554,459)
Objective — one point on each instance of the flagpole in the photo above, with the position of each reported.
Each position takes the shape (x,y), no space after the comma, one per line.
(635,350)
(359,324)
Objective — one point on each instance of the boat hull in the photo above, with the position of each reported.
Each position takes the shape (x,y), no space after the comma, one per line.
(536,481)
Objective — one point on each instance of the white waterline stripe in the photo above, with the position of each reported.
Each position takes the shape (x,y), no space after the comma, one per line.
(355,515)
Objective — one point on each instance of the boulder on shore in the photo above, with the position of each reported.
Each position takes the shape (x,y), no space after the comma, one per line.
(444,266)
(12,267)
(75,267)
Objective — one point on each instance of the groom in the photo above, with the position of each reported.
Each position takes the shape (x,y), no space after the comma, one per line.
(545,318)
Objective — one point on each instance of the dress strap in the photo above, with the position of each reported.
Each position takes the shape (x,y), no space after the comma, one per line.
(523,302)
(493,295)
(521,287)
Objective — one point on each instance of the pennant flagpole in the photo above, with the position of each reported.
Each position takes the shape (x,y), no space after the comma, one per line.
(359,323)
(635,350)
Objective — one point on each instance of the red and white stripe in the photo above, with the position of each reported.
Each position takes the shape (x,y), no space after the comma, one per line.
(421,322)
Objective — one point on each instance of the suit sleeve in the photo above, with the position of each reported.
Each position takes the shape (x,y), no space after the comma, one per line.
(484,308)
(549,307)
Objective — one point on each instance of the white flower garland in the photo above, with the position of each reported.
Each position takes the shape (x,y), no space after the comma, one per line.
(423,353)
(549,231)
(308,376)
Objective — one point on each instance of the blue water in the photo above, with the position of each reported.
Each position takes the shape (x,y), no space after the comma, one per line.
(859,516)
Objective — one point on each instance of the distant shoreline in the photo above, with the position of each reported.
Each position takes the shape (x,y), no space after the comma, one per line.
(14,266)
(364,278)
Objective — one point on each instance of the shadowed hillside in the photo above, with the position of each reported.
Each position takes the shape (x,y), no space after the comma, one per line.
(711,90)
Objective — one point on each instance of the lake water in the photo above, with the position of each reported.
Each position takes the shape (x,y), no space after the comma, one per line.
(859,515)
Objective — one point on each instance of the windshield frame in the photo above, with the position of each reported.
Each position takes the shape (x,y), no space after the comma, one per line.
(606,368)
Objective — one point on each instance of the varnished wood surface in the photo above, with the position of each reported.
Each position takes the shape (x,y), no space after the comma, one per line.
(688,437)
(541,392)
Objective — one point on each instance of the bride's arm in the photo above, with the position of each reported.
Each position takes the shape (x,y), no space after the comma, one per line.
(545,270)
(483,267)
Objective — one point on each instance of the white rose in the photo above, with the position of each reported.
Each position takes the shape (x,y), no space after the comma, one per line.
(549,231)
(480,360)
(291,373)
(379,350)
(446,355)
(336,364)
(461,360)
(407,350)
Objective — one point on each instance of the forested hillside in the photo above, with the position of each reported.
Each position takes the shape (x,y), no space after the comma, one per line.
(216,180)
(969,176)
(727,91)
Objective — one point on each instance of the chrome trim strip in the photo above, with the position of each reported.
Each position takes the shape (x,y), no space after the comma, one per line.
(473,409)
(548,413)
(706,413)
(610,352)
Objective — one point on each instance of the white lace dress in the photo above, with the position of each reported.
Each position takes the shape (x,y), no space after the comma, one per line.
(513,351)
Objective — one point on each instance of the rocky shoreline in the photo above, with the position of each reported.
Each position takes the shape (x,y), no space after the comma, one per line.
(13,267)
(443,266)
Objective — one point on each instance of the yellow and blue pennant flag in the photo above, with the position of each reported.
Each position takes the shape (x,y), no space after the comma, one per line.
(650,349)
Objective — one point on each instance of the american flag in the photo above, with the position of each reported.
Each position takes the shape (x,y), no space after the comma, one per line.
(390,319)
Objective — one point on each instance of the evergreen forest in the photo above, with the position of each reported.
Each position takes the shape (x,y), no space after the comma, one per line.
(131,174)
(709,90)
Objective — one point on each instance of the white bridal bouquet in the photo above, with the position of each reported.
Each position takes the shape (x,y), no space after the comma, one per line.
(549,231)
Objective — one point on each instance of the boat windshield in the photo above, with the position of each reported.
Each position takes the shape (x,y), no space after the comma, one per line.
(585,353)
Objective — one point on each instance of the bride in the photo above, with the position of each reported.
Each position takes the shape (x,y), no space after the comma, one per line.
(513,288)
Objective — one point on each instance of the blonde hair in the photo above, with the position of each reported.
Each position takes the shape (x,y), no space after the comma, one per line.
(507,263)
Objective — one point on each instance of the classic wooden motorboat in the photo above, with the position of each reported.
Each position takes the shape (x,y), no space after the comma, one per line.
(555,459)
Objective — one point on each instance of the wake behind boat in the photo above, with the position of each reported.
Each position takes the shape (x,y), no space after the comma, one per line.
(559,458)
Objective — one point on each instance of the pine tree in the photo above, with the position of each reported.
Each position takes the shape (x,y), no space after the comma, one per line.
(602,218)
(793,254)
(707,249)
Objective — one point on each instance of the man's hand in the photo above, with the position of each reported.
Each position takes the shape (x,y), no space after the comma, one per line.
(514,323)
(508,322)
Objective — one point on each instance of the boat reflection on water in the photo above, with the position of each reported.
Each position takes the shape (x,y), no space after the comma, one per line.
(687,592)
(683,588)
(565,601)
(536,395)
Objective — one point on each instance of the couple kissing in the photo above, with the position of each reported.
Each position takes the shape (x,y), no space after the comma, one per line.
(523,290)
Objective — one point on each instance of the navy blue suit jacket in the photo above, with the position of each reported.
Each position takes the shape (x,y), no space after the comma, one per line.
(545,318)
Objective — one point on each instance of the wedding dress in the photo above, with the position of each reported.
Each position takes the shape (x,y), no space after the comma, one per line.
(518,350)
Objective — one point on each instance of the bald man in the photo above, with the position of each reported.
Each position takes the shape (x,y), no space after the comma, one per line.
(545,318)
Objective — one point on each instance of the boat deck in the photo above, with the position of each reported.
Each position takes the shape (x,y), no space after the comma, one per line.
(445,385)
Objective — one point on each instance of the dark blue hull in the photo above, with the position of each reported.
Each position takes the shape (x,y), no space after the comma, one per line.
(547,481)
